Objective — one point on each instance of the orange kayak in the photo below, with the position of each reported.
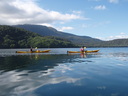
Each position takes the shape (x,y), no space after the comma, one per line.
(37,51)
(87,51)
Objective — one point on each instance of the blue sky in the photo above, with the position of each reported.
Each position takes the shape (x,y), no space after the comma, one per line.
(103,19)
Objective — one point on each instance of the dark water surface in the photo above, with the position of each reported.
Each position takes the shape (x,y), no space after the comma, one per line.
(60,74)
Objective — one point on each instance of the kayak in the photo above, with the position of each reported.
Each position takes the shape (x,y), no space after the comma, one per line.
(37,51)
(87,51)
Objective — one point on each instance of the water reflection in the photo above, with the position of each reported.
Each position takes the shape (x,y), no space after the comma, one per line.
(63,74)
(37,62)
(25,73)
(121,56)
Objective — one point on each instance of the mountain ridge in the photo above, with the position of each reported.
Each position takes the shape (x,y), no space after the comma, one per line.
(51,39)
(49,31)
(12,37)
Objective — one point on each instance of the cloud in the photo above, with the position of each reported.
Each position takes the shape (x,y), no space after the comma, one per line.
(77,12)
(28,12)
(113,1)
(100,7)
(65,28)
(122,35)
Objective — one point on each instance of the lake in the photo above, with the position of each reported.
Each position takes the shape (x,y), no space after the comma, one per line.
(60,74)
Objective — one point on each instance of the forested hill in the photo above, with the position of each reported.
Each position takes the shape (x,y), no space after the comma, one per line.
(12,37)
(49,31)
(78,40)
(115,43)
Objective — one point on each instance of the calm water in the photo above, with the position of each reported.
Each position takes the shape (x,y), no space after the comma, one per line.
(60,74)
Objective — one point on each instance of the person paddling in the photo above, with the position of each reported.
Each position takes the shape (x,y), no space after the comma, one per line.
(82,49)
(31,49)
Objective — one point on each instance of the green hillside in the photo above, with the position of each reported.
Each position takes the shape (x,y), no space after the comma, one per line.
(116,43)
(11,37)
(47,37)
(78,40)
(49,31)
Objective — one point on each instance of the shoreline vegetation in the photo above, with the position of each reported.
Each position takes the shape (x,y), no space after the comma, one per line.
(14,37)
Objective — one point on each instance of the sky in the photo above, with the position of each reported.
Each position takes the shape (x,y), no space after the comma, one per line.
(102,19)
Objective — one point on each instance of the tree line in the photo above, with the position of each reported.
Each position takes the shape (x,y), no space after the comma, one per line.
(11,37)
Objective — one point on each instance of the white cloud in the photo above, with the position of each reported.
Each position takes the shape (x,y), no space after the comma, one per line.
(113,1)
(100,7)
(122,35)
(28,12)
(48,25)
(65,28)
(77,12)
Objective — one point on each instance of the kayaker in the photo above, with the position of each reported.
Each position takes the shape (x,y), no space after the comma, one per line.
(36,49)
(31,49)
(82,49)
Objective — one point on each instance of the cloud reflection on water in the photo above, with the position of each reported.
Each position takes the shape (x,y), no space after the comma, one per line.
(41,71)
(98,73)
(17,84)
(120,55)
